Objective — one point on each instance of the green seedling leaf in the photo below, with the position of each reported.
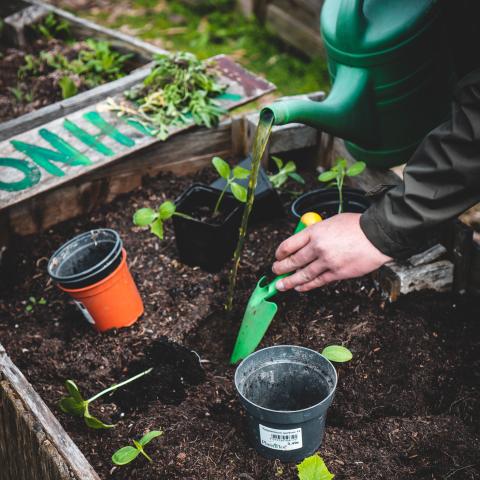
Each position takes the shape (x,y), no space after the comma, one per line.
(148,437)
(125,455)
(356,169)
(144,217)
(157,228)
(289,167)
(69,89)
(313,468)
(94,422)
(42,301)
(327,176)
(240,173)
(239,192)
(74,404)
(166,210)
(337,353)
(32,300)
(298,178)
(341,163)
(222,167)
(28,308)
(278,162)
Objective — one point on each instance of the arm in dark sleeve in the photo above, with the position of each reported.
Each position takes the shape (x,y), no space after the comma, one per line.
(441,180)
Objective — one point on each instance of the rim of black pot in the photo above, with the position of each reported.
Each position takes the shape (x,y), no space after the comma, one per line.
(69,279)
(311,193)
(200,186)
(325,400)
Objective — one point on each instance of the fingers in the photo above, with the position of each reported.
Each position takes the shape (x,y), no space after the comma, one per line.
(299,259)
(318,282)
(304,276)
(292,244)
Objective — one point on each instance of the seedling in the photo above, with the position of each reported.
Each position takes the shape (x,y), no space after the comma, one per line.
(147,217)
(336,176)
(76,405)
(53,27)
(313,468)
(231,177)
(32,302)
(285,171)
(128,454)
(337,353)
(69,89)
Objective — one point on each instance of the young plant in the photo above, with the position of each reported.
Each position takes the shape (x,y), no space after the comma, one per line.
(336,176)
(76,405)
(285,171)
(337,353)
(32,302)
(69,89)
(128,454)
(147,217)
(230,176)
(53,27)
(313,468)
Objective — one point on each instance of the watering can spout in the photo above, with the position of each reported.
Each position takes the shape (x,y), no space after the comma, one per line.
(345,113)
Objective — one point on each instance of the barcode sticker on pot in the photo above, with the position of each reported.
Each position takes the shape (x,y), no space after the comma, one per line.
(281,439)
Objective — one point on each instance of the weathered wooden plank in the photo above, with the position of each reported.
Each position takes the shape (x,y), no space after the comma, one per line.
(118,138)
(294,31)
(33,444)
(15,25)
(462,253)
(396,279)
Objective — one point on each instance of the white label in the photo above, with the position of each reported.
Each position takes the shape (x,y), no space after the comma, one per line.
(85,312)
(283,440)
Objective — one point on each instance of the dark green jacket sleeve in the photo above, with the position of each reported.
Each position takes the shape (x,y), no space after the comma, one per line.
(441,180)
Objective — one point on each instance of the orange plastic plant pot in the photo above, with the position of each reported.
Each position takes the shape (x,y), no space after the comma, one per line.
(113,302)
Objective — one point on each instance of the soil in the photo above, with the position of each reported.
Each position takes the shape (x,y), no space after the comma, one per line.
(21,94)
(407,406)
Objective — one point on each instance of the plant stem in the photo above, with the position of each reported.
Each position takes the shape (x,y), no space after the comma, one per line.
(260,143)
(219,201)
(183,215)
(142,451)
(114,387)
(340,191)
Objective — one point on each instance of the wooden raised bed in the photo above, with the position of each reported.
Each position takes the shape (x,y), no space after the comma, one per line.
(14,32)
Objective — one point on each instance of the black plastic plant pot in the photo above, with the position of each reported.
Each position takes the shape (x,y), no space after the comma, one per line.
(325,202)
(267,204)
(86,259)
(286,391)
(207,243)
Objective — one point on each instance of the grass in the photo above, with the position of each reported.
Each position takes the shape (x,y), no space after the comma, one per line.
(217,28)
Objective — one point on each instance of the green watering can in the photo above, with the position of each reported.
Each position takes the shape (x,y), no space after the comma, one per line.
(392,77)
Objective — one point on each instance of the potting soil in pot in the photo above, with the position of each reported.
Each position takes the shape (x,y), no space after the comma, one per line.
(406,407)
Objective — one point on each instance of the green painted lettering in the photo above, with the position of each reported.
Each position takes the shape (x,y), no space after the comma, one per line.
(86,138)
(108,129)
(30,171)
(44,157)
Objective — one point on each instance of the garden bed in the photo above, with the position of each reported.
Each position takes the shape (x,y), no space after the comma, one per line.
(406,406)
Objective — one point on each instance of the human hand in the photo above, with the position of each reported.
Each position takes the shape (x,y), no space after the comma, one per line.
(334,249)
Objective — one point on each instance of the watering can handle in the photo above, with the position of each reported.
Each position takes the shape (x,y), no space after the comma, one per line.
(351,22)
(307,219)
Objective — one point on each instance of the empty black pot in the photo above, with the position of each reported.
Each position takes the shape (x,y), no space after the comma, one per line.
(325,202)
(267,205)
(86,259)
(286,391)
(206,244)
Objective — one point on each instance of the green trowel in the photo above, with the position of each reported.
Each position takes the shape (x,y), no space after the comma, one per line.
(260,311)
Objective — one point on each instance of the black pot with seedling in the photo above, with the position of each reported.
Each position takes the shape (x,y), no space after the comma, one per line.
(206,220)
(286,391)
(267,203)
(334,198)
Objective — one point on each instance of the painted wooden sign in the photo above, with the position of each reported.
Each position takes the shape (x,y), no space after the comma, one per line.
(68,147)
